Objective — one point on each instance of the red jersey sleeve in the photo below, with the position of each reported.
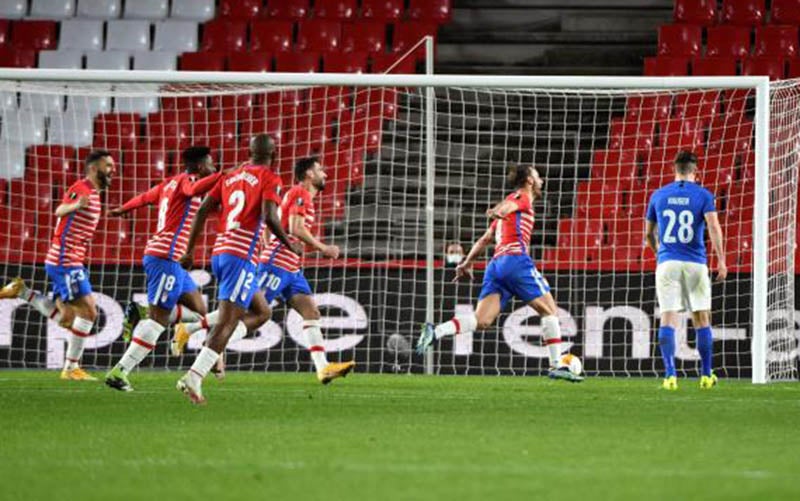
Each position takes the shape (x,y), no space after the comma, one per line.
(74,192)
(271,187)
(196,188)
(149,197)
(300,203)
(216,190)
(523,201)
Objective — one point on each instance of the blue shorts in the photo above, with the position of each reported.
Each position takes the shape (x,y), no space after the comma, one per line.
(277,282)
(236,278)
(69,282)
(516,276)
(166,282)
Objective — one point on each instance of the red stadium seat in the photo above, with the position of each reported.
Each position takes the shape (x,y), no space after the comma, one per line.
(614,165)
(116,131)
(37,35)
(364,36)
(764,65)
(794,70)
(699,106)
(738,102)
(335,9)
(648,107)
(261,124)
(361,134)
(240,9)
(634,197)
(786,12)
(331,100)
(626,245)
(701,12)
(271,36)
(636,135)
(681,134)
(580,240)
(147,163)
(730,134)
(780,41)
(679,40)
(224,36)
(728,41)
(376,102)
(31,195)
(198,102)
(202,61)
(430,11)
(391,63)
(345,166)
(50,163)
(5,31)
(597,199)
(218,132)
(340,62)
(666,66)
(319,35)
(382,10)
(743,12)
(407,35)
(714,66)
(297,63)
(20,230)
(716,176)
(170,129)
(17,58)
(312,132)
(250,61)
(288,9)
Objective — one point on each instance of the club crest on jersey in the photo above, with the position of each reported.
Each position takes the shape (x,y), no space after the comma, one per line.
(299,201)
(73,196)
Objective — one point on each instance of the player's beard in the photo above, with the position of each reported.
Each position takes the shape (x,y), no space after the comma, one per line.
(103,179)
(319,185)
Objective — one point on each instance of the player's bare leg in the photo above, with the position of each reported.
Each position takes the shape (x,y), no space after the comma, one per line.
(326,372)
(546,307)
(485,314)
(701,321)
(80,315)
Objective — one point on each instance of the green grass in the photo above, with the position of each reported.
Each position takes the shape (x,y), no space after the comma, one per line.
(397,437)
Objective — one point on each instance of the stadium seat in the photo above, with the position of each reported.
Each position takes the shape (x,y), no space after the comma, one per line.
(743,12)
(335,9)
(786,12)
(271,36)
(42,103)
(364,36)
(52,9)
(261,123)
(304,62)
(776,41)
(765,65)
(714,66)
(730,134)
(340,62)
(224,35)
(8,100)
(81,34)
(288,9)
(196,10)
(93,104)
(71,129)
(320,35)
(17,58)
(580,240)
(202,61)
(794,69)
(391,63)
(155,60)
(648,107)
(217,132)
(138,104)
(108,60)
(728,41)
(614,165)
(626,244)
(679,133)
(382,10)
(700,12)
(116,131)
(375,102)
(99,9)
(61,59)
(176,36)
(250,61)
(240,9)
(406,35)
(12,156)
(679,40)
(147,9)
(430,11)
(24,127)
(698,106)
(13,9)
(127,35)
(150,164)
(631,134)
(19,226)
(666,66)
(51,163)
(37,35)
(192,103)
(366,134)
(597,199)
(170,129)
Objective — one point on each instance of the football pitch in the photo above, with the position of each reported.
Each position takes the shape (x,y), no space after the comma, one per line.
(283,436)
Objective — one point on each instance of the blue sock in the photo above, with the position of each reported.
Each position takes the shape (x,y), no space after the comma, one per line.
(666,341)
(705,345)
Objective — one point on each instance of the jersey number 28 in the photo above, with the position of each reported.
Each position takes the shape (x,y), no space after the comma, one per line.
(685,220)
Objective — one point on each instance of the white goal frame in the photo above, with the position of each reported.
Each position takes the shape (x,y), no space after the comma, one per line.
(429,82)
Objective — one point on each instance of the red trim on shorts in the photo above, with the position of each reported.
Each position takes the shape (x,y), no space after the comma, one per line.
(178,313)
(143,343)
(79,333)
(55,312)
(555,340)
(316,347)
(457,324)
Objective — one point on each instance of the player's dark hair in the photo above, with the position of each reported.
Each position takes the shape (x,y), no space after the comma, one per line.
(685,162)
(518,175)
(302,166)
(94,156)
(193,156)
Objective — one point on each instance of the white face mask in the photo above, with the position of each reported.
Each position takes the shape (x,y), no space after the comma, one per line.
(454,258)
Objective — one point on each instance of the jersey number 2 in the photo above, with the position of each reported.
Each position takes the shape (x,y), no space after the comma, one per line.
(236,200)
(685,221)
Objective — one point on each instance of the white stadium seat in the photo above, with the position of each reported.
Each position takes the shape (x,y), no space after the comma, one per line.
(71,128)
(8,101)
(52,9)
(46,104)
(147,9)
(140,105)
(94,104)
(198,10)
(108,60)
(128,35)
(61,59)
(13,9)
(23,126)
(165,61)
(83,34)
(12,160)
(99,9)
(180,36)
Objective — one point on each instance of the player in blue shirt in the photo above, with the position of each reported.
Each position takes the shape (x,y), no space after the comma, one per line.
(679,212)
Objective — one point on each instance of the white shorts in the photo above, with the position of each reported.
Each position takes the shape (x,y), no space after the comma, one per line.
(683,286)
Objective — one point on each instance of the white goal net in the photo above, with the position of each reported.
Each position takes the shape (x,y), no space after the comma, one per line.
(601,151)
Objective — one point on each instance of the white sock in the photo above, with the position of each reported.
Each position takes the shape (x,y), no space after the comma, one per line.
(206,322)
(551,330)
(41,303)
(144,340)
(183,314)
(81,328)
(459,324)
(203,363)
(238,333)
(314,339)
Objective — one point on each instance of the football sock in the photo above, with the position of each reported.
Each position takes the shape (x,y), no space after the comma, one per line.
(551,331)
(666,342)
(41,303)
(183,314)
(705,345)
(458,324)
(205,322)
(144,340)
(80,330)
(314,338)
(205,360)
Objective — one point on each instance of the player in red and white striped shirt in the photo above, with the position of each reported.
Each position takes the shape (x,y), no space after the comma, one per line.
(171,293)
(74,307)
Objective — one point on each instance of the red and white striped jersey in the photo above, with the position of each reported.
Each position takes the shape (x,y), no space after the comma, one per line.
(241,193)
(513,233)
(74,231)
(297,202)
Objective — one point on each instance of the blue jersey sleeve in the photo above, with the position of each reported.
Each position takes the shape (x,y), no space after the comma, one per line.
(708,203)
(651,210)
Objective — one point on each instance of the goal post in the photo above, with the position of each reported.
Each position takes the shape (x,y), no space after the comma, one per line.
(414,161)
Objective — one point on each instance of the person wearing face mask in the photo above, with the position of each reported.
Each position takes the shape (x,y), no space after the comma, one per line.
(453,255)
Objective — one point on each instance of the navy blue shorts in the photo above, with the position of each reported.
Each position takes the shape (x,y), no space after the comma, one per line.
(69,282)
(513,276)
(277,282)
(167,281)
(236,278)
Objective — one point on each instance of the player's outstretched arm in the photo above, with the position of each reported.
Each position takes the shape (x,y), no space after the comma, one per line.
(201,186)
(68,208)
(298,229)
(464,269)
(650,237)
(150,197)
(208,205)
(718,243)
(502,209)
(270,211)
